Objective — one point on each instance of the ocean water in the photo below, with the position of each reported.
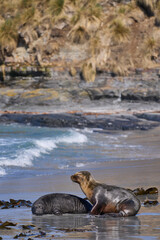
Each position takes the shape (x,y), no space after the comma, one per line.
(37,151)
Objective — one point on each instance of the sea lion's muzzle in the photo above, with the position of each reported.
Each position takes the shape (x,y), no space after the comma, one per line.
(74,178)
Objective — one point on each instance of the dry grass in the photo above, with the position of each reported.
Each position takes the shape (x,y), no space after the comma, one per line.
(106,32)
(79,35)
(119,31)
(56,7)
(99,48)
(26,4)
(118,67)
(28,15)
(89,70)
(8,36)
(88,16)
(149,47)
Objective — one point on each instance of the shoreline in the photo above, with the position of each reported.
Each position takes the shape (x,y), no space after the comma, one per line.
(105,120)
(82,226)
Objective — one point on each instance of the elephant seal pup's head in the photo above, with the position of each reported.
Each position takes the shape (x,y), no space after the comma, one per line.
(38,208)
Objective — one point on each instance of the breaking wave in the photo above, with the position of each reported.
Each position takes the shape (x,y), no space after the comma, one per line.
(34,149)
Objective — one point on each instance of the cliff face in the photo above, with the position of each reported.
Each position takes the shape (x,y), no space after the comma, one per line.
(64,52)
(113,35)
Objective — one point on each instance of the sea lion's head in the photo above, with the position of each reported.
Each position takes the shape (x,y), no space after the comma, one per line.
(81,177)
(38,208)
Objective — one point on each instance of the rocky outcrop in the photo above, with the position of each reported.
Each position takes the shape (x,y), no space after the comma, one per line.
(36,86)
(78,120)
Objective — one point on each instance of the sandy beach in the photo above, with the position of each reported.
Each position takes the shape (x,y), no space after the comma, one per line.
(129,174)
(79,91)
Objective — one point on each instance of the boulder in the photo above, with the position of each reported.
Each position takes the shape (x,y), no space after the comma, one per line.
(20,55)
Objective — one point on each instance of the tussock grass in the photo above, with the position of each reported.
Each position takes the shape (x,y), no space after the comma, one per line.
(89,70)
(28,15)
(149,51)
(150,44)
(26,3)
(88,16)
(99,47)
(118,67)
(119,31)
(79,35)
(56,7)
(122,10)
(8,36)
(149,47)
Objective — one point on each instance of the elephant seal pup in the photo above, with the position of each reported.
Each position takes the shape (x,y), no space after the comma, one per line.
(59,203)
(107,199)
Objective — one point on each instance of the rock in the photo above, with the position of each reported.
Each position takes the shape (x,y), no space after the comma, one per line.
(98,93)
(20,55)
(52,47)
(95,94)
(28,35)
(57,33)
(149,116)
(110,93)
(106,122)
(140,95)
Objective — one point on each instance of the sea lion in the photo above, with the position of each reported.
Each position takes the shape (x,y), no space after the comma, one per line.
(59,203)
(107,199)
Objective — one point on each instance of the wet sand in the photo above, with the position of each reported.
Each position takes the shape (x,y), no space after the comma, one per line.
(146,225)
(129,174)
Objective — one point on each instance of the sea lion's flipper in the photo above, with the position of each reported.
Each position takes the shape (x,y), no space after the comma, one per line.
(97,208)
(120,214)
(106,215)
(57,212)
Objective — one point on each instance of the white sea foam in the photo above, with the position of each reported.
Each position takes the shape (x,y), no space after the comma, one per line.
(24,157)
(63,166)
(45,144)
(88,130)
(78,165)
(2,172)
(73,137)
